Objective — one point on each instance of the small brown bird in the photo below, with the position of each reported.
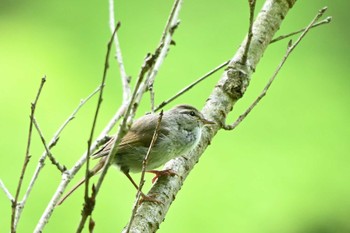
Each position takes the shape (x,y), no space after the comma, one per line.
(179,132)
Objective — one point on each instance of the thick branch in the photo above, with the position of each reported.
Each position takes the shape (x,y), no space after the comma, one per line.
(227,92)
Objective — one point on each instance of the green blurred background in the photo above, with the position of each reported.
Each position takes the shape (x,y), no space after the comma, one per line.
(284,169)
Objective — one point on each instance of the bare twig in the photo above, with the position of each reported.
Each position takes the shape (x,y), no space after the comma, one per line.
(89,204)
(164,103)
(290,48)
(163,48)
(122,130)
(152,62)
(118,55)
(143,171)
(68,175)
(325,21)
(128,114)
(6,191)
(71,117)
(50,145)
(48,152)
(26,157)
(250,32)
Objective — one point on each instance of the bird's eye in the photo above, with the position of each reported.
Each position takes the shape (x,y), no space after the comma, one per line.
(192,113)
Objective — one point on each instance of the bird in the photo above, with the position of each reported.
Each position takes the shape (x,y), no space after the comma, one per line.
(179,132)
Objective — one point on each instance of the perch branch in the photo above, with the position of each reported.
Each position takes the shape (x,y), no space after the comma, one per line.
(226,93)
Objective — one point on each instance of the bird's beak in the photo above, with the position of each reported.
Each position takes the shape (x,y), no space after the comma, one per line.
(207,122)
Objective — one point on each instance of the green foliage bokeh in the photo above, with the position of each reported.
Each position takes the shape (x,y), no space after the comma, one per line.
(284,169)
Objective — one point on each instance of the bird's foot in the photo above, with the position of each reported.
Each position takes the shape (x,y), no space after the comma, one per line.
(167,172)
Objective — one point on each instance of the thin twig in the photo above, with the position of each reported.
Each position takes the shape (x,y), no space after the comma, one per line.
(250,31)
(52,143)
(163,47)
(26,157)
(290,48)
(316,24)
(184,90)
(71,117)
(60,167)
(164,103)
(6,191)
(68,175)
(89,204)
(128,114)
(143,171)
(89,201)
(151,61)
(118,55)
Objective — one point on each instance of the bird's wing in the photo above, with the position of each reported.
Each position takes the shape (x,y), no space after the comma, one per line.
(140,134)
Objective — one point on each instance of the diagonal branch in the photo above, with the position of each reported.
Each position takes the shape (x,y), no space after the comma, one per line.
(227,92)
